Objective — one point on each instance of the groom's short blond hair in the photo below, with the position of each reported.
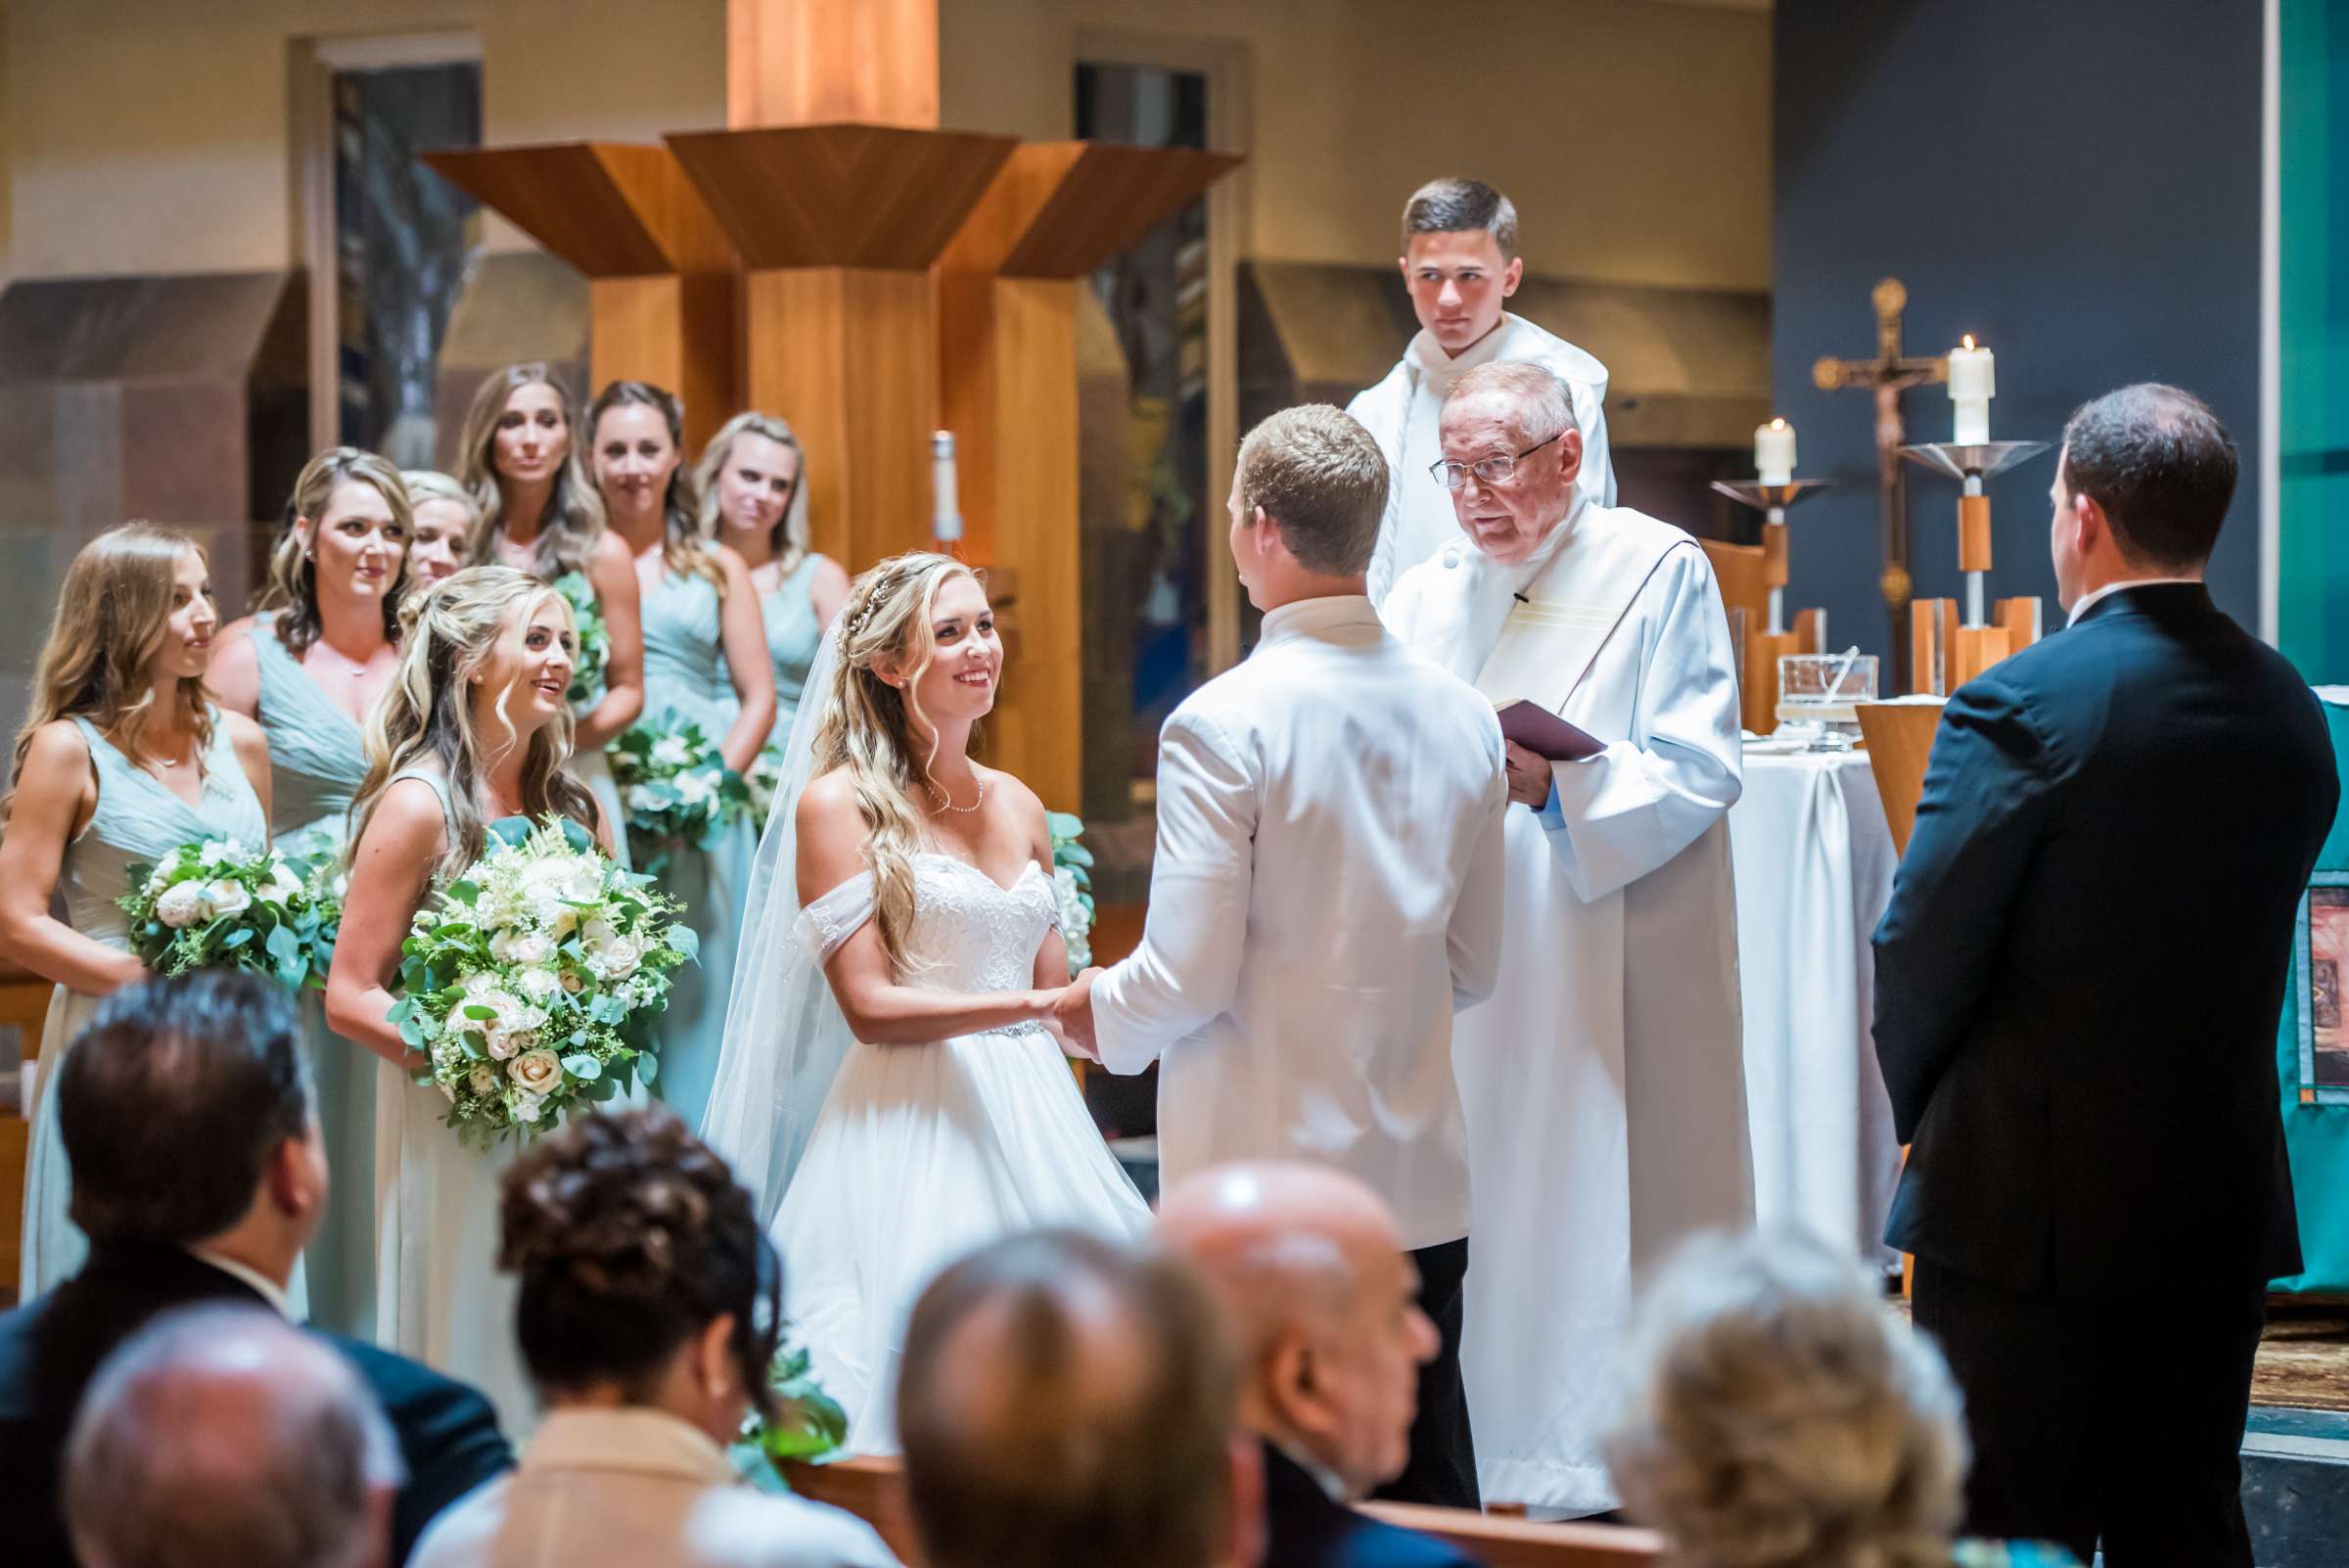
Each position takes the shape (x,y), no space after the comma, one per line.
(1316,473)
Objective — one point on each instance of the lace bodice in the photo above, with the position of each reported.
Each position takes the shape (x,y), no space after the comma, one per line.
(969,933)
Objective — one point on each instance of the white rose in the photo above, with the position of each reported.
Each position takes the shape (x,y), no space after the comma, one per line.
(598,934)
(697,787)
(180,907)
(670,750)
(158,879)
(226,896)
(480,985)
(538,983)
(528,1107)
(538,1072)
(640,797)
(520,947)
(503,1043)
(216,851)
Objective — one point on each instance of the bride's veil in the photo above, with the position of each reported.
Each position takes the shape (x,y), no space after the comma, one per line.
(785,1037)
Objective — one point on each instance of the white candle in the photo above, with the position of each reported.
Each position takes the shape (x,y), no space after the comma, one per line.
(1972,384)
(946,512)
(1774,451)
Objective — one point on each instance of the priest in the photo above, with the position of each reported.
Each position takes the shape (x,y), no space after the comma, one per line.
(1461,263)
(1603,1082)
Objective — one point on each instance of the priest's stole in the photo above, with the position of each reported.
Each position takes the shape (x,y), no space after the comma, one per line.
(2311,1046)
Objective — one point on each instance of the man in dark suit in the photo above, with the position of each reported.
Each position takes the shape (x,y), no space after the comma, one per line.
(186,1113)
(2077,989)
(1321,1304)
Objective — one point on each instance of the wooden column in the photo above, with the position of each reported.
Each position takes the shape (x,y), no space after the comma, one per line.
(809,62)
(837,227)
(660,273)
(1007,357)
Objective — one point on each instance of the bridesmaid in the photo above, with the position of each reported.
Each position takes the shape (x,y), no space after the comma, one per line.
(310,666)
(122,758)
(540,513)
(474,729)
(754,498)
(444,520)
(704,660)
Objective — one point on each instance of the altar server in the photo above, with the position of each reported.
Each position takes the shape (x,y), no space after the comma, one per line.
(1603,1082)
(1461,263)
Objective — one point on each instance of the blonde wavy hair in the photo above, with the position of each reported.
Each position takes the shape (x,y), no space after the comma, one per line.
(870,727)
(113,615)
(451,630)
(427,485)
(293,586)
(574,512)
(790,532)
(1778,1417)
(684,548)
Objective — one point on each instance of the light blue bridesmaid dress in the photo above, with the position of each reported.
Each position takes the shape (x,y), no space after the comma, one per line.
(440,1294)
(793,635)
(594,770)
(685,679)
(317,759)
(138,819)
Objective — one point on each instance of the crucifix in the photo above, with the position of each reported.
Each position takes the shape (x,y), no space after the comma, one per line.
(1888,375)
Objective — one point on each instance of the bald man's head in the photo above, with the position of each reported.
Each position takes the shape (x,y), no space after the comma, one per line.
(1066,1403)
(224,1436)
(1321,1301)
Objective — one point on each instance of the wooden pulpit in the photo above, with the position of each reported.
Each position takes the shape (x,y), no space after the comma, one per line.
(834,257)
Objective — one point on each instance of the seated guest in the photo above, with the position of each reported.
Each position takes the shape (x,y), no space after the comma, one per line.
(187,1118)
(1320,1301)
(225,1436)
(1778,1417)
(1067,1402)
(648,1317)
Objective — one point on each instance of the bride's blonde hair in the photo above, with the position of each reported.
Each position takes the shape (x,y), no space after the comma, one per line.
(870,729)
(450,632)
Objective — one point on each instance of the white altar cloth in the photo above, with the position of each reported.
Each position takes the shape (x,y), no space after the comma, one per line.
(1814,862)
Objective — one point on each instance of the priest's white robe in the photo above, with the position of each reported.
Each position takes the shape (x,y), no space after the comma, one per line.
(1603,1082)
(1402,414)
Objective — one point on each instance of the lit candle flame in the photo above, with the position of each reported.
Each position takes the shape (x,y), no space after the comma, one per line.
(1777,424)
(1969,339)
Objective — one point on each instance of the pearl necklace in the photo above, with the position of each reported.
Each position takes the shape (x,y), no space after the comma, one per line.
(945,802)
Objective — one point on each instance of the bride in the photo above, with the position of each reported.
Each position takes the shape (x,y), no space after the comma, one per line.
(908,957)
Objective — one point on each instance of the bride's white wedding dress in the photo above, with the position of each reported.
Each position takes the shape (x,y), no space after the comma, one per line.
(923,1152)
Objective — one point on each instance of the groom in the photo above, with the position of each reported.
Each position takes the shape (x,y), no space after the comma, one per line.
(1326,893)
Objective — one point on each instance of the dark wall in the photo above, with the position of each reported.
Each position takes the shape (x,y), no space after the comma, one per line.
(2076,182)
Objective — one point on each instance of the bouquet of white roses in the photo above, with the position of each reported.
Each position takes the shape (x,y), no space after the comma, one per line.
(676,789)
(763,781)
(595,643)
(1073,880)
(216,902)
(530,981)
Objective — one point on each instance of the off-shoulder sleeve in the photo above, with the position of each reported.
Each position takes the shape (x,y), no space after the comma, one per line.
(835,917)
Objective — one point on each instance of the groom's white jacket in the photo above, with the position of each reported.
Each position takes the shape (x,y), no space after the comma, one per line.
(1327,891)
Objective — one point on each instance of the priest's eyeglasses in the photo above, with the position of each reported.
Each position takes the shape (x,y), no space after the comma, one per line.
(1497,468)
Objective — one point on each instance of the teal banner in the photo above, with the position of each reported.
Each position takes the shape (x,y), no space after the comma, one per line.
(2311,1048)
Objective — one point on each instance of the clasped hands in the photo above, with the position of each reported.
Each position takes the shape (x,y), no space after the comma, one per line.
(1073,1017)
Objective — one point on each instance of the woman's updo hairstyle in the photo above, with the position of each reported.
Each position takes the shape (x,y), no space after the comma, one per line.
(631,1237)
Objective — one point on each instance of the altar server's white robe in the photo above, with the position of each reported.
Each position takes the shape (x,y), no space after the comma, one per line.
(1403,412)
(1603,1082)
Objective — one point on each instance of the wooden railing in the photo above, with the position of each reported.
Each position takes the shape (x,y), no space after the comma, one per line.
(25,1003)
(874,1490)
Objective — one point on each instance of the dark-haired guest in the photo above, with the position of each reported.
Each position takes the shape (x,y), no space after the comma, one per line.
(199,1175)
(648,1319)
(2077,988)
(1065,1402)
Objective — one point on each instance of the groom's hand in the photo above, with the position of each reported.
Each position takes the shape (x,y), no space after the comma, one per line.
(1528,776)
(1074,1013)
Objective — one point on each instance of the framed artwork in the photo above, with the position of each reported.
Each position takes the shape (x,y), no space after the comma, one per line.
(2319,976)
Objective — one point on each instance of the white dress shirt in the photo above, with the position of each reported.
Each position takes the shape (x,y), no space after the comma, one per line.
(632,1488)
(2087,599)
(1326,893)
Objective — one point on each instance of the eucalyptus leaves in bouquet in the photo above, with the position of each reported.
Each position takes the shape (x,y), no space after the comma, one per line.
(595,640)
(809,1422)
(675,788)
(531,981)
(1073,880)
(765,781)
(214,903)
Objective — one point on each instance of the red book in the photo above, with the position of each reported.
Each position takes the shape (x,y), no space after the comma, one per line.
(1545,733)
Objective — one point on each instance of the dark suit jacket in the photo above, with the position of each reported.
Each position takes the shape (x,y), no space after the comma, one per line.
(51,1347)
(2079,977)
(1305,1529)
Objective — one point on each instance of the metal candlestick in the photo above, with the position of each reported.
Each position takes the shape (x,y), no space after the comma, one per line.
(1772,500)
(1969,464)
